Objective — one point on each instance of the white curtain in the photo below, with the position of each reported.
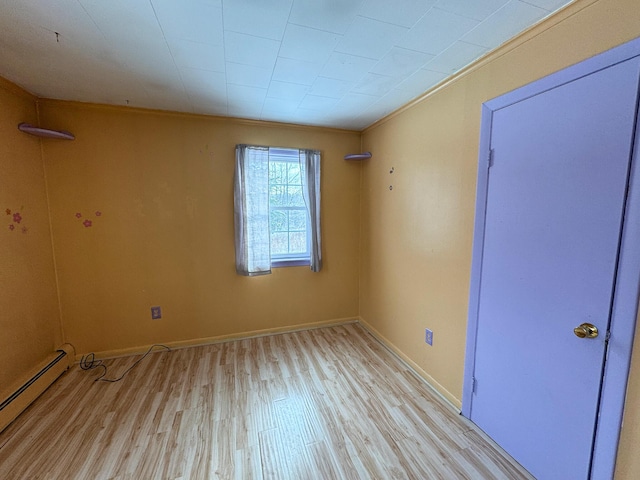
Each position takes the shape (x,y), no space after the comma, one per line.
(251,205)
(311,187)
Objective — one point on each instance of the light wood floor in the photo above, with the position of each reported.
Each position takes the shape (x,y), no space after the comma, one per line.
(323,404)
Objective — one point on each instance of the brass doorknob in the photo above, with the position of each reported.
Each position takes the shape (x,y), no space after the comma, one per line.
(586,330)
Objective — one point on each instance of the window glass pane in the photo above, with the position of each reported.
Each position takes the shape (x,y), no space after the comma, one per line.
(279,243)
(277,195)
(278,221)
(295,197)
(298,220)
(298,242)
(294,174)
(277,173)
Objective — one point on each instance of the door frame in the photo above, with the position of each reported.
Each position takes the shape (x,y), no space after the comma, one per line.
(627,286)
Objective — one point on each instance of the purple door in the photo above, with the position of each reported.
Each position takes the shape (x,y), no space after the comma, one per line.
(555,203)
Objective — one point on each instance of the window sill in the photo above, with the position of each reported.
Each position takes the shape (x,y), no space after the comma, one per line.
(291,263)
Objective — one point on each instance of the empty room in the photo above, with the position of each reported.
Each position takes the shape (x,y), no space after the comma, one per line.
(319,239)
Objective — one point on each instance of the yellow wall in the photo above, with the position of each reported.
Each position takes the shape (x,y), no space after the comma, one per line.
(163,184)
(29,319)
(416,238)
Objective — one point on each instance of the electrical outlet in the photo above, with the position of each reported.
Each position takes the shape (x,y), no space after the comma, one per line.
(428,336)
(156,313)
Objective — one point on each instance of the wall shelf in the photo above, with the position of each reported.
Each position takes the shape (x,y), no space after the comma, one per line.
(45,132)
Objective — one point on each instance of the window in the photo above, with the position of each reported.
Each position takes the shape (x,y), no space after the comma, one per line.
(288,215)
(277,209)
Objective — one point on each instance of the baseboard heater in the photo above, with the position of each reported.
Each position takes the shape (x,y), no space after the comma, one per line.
(37,383)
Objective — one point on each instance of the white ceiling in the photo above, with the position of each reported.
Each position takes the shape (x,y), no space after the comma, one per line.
(340,63)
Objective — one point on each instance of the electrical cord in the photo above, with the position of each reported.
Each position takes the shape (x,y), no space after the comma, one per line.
(89,362)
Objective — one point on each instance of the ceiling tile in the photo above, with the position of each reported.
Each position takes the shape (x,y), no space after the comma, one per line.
(250,111)
(168,96)
(436,31)
(349,68)
(125,23)
(511,19)
(376,111)
(478,9)
(364,120)
(316,102)
(248,75)
(158,66)
(246,102)
(246,94)
(205,82)
(340,120)
(421,81)
(287,91)
(308,44)
(394,100)
(67,17)
(207,91)
(333,17)
(296,71)
(283,115)
(405,13)
(28,37)
(197,55)
(370,38)
(250,50)
(280,105)
(305,116)
(198,21)
(206,105)
(354,103)
(455,57)
(330,87)
(400,62)
(258,18)
(374,84)
(90,85)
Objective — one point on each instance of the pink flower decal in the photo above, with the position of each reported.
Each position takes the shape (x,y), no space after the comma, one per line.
(87,223)
(78,215)
(17,218)
(8,210)
(24,229)
(98,213)
(12,227)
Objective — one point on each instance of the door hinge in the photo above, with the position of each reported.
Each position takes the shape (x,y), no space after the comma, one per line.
(474,384)
(490,158)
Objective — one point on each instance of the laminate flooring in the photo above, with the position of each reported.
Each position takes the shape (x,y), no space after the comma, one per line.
(329,403)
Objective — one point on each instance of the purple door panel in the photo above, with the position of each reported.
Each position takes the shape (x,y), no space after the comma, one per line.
(554,212)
